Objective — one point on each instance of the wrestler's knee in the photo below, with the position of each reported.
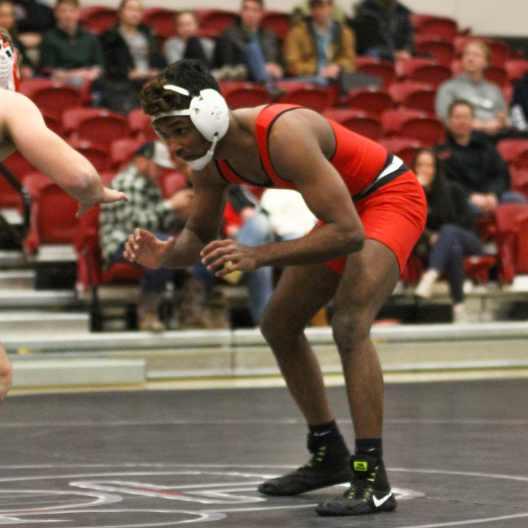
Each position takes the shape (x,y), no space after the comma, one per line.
(276,328)
(350,326)
(6,373)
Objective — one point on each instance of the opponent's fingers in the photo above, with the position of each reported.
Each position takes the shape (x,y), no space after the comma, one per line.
(111,195)
(228,267)
(220,263)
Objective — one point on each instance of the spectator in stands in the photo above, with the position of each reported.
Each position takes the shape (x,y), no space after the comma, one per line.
(146,209)
(320,49)
(490,110)
(449,234)
(383,29)
(248,51)
(519,104)
(131,57)
(69,53)
(8,21)
(33,18)
(187,44)
(470,159)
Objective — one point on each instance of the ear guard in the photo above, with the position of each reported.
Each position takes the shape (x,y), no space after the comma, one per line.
(9,75)
(208,111)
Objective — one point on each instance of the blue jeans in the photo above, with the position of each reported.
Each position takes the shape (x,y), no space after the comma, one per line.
(447,256)
(256,62)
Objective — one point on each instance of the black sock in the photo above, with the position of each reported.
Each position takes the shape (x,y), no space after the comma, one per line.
(369,446)
(327,430)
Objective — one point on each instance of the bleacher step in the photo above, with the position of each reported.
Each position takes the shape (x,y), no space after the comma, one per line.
(14,299)
(17,279)
(44,324)
(11,259)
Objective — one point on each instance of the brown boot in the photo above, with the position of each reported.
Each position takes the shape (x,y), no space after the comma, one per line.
(191,313)
(147,312)
(217,311)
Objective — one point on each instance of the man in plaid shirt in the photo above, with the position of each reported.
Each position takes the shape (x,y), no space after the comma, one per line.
(146,208)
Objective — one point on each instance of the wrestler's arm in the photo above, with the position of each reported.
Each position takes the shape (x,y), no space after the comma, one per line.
(202,226)
(297,156)
(24,126)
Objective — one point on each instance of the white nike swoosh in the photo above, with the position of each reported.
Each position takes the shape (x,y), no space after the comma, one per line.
(383,500)
(324,433)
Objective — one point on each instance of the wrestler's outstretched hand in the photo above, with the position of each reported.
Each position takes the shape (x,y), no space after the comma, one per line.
(144,248)
(225,256)
(6,373)
(105,196)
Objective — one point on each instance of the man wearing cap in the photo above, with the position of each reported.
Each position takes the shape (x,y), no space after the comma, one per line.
(146,209)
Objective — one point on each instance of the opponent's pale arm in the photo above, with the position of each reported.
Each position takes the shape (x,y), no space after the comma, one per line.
(47,152)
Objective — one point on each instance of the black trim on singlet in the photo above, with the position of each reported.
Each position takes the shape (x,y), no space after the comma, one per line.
(248,181)
(373,187)
(219,170)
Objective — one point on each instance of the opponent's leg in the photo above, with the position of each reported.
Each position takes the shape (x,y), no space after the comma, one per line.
(301,292)
(369,278)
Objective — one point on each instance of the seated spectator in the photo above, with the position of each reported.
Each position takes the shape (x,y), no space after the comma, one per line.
(449,234)
(8,22)
(470,159)
(248,51)
(383,29)
(145,209)
(187,44)
(486,97)
(33,18)
(131,57)
(319,49)
(69,53)
(519,104)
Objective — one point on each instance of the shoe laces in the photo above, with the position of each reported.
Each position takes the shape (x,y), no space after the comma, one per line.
(318,457)
(362,486)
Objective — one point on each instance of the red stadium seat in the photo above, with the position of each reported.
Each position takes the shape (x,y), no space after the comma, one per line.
(172,182)
(378,68)
(413,124)
(213,22)
(161,21)
(278,22)
(314,97)
(441,50)
(369,100)
(140,125)
(18,165)
(358,121)
(96,125)
(510,149)
(9,196)
(430,25)
(400,91)
(53,214)
(53,123)
(98,19)
(242,95)
(51,97)
(478,267)
(434,74)
(497,75)
(512,240)
(516,68)
(519,179)
(122,150)
(405,67)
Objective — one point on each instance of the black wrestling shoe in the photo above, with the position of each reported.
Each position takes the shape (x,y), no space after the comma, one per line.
(369,490)
(329,465)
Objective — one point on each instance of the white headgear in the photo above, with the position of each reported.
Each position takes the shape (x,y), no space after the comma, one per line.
(209,113)
(8,64)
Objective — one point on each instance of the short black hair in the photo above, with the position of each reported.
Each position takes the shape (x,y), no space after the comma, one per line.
(191,74)
(459,102)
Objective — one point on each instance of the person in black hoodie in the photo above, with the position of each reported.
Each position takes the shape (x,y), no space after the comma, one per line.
(383,29)
(131,57)
(449,233)
(470,159)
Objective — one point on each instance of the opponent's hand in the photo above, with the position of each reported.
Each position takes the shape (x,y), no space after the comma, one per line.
(144,248)
(225,256)
(106,196)
(6,373)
